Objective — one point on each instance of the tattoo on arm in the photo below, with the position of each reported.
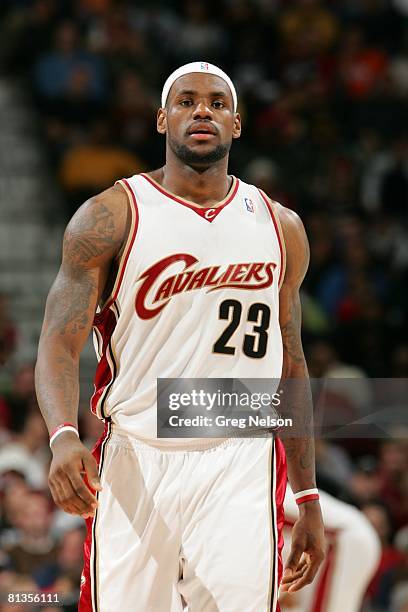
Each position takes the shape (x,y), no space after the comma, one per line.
(95,236)
(65,381)
(74,294)
(299,442)
(91,242)
(290,331)
(69,310)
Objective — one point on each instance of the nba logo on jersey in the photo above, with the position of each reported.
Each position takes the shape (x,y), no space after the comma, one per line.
(204,66)
(249,205)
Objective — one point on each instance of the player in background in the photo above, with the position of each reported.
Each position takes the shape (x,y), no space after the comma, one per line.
(184,271)
(352,557)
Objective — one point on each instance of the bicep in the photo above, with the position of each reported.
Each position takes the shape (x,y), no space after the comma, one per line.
(92,240)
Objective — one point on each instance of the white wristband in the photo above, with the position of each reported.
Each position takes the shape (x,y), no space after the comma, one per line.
(61,430)
(307,495)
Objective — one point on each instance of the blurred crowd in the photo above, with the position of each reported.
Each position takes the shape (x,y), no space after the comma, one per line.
(40,546)
(323,93)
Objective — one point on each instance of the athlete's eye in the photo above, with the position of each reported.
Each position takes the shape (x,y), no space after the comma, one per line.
(186,102)
(218,104)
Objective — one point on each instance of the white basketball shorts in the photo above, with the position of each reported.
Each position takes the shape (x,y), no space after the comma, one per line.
(197,528)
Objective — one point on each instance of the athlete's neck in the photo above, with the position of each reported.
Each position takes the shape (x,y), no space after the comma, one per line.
(205,187)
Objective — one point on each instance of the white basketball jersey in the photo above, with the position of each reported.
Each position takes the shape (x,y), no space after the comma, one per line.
(196,296)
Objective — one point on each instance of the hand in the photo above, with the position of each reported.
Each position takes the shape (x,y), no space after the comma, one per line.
(308,548)
(71,461)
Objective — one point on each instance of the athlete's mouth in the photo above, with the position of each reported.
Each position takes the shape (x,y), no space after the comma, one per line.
(202,128)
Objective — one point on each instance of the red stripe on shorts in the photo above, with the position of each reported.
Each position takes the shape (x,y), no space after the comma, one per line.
(85,596)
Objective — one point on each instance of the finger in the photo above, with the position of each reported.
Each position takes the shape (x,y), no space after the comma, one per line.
(71,502)
(300,570)
(293,560)
(295,576)
(55,492)
(285,585)
(82,490)
(59,497)
(307,577)
(91,469)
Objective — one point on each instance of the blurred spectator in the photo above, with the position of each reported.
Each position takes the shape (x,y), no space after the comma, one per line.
(23,382)
(19,399)
(54,71)
(68,562)
(27,452)
(91,166)
(362,69)
(34,546)
(391,558)
(14,490)
(393,472)
(365,483)
(265,174)
(332,464)
(199,36)
(76,107)
(132,112)
(308,24)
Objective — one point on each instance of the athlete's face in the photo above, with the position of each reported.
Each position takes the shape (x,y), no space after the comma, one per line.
(199,119)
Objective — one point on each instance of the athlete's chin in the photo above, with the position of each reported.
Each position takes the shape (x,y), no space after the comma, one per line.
(200,154)
(202,150)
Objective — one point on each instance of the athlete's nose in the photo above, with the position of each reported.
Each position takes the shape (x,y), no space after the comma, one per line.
(202,111)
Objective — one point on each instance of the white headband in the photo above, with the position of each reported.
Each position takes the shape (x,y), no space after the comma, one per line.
(197,67)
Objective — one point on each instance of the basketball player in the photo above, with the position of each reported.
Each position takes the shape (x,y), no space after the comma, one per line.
(184,271)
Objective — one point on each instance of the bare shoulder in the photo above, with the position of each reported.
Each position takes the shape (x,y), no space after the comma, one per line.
(98,229)
(290,221)
(296,242)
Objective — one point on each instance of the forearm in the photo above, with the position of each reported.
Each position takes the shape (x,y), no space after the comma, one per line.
(300,451)
(307,550)
(57,383)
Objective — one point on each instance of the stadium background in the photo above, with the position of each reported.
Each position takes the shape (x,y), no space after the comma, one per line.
(323,92)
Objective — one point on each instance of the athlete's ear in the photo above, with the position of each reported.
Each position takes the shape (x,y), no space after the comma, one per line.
(236,132)
(161,121)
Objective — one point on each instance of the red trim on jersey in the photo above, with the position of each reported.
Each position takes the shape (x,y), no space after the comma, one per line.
(105,371)
(278,235)
(85,596)
(126,253)
(203,212)
(278,489)
(129,247)
(281,480)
